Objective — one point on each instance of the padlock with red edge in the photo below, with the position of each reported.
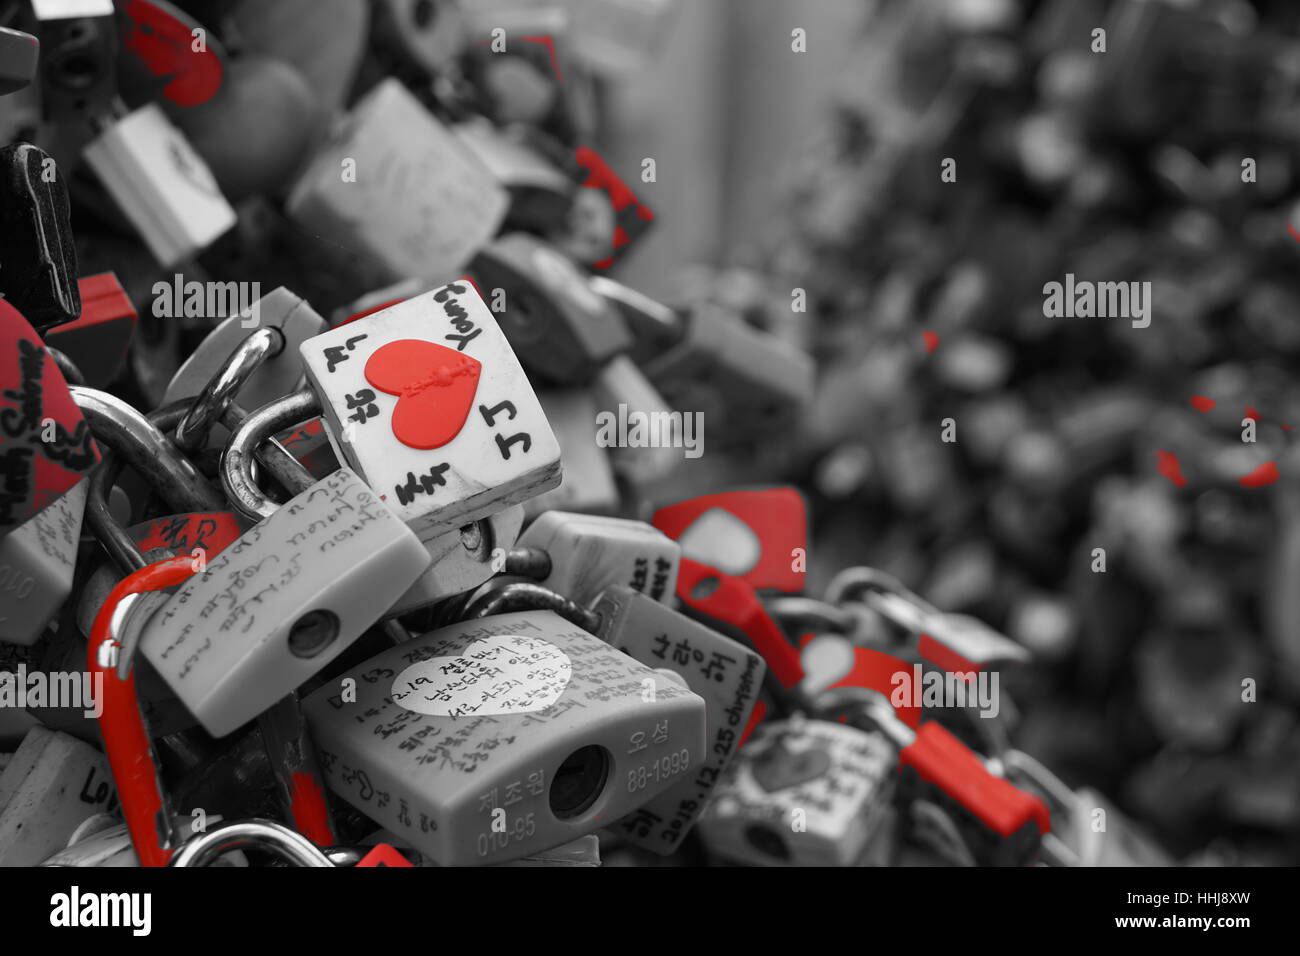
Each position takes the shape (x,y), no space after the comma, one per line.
(282,602)
(588,553)
(588,484)
(46,451)
(759,536)
(561,330)
(399,188)
(802,793)
(53,784)
(491,739)
(427,402)
(37,252)
(725,673)
(606,218)
(310,447)
(98,341)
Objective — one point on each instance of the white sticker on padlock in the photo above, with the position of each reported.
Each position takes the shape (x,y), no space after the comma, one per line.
(282,602)
(526,673)
(71,9)
(428,403)
(399,187)
(480,786)
(161,184)
(52,785)
(591,552)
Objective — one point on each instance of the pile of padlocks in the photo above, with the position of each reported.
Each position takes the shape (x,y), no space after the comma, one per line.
(1168,659)
(372,589)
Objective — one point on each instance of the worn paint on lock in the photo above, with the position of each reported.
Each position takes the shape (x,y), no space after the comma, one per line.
(436,476)
(221,642)
(588,758)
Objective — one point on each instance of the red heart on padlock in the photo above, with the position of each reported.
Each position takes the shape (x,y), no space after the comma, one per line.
(435,386)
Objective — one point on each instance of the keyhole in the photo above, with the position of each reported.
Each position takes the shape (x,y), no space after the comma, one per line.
(312,633)
(579,781)
(704,587)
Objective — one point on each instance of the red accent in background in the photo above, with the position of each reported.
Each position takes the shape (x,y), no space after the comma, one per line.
(311,817)
(1167,464)
(942,656)
(163,44)
(1265,474)
(778,516)
(1203,404)
(384,855)
(931,341)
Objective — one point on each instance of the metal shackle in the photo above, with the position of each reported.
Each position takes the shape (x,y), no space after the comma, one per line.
(289,845)
(259,427)
(220,391)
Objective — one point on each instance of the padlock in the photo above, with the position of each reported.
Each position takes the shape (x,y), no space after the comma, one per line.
(37,253)
(398,187)
(726,674)
(588,484)
(294,848)
(46,450)
(560,329)
(78,59)
(278,375)
(606,217)
(802,793)
(281,609)
(654,326)
(540,192)
(462,559)
(52,785)
(492,739)
(19,53)
(955,642)
(162,186)
(622,391)
(98,341)
(757,384)
(430,406)
(1000,824)
(589,553)
(428,34)
(759,536)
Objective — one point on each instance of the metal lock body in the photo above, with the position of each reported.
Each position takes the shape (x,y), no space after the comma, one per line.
(428,403)
(98,341)
(540,192)
(588,484)
(560,329)
(39,274)
(801,793)
(397,186)
(495,738)
(589,553)
(751,382)
(282,602)
(163,187)
(726,674)
(51,786)
(278,375)
(462,559)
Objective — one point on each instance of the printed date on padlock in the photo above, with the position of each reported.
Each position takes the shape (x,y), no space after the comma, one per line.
(283,601)
(492,739)
(428,403)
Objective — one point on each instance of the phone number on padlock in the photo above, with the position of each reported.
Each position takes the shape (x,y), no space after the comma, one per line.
(661,769)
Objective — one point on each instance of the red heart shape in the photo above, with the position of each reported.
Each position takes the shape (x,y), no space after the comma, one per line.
(435,385)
